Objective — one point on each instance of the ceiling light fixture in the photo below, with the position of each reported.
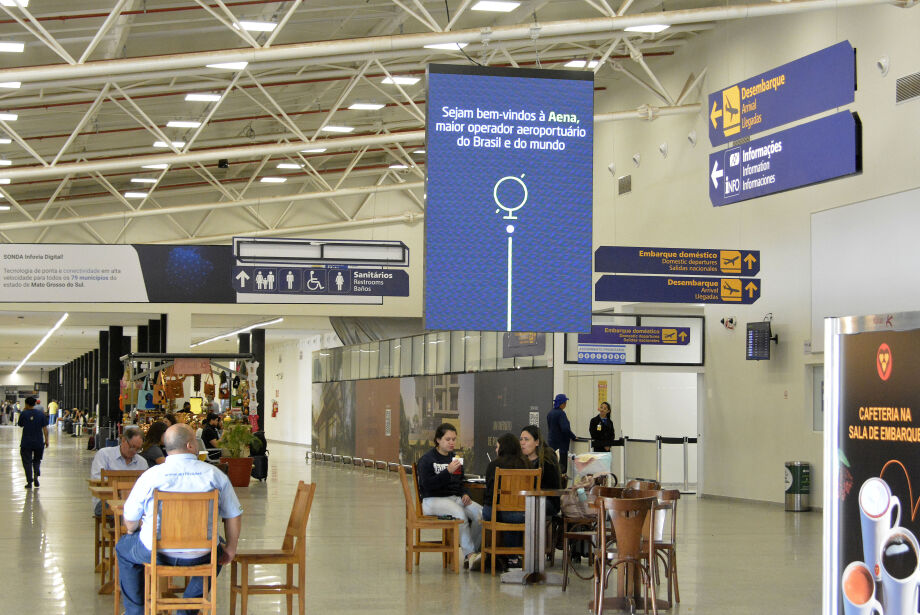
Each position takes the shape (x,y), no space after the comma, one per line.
(288,165)
(366,106)
(135,195)
(50,332)
(4,207)
(332,128)
(257,26)
(229,65)
(22,3)
(164,144)
(654,28)
(202,97)
(12,47)
(4,180)
(5,163)
(397,80)
(11,85)
(143,180)
(496,6)
(317,150)
(273,180)
(232,333)
(182,124)
(398,166)
(447,46)
(155,166)
(419,151)
(9,117)
(581,64)
(5,141)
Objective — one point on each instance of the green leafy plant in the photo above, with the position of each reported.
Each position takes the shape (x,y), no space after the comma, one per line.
(236,436)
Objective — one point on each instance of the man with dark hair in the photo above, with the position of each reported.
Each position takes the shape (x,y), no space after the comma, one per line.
(34,441)
(122,457)
(181,472)
(210,434)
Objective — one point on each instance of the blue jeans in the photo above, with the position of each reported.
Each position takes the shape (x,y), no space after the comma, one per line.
(132,555)
(509,539)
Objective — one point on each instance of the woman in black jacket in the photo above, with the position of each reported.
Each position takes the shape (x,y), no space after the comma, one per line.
(509,457)
(542,456)
(602,431)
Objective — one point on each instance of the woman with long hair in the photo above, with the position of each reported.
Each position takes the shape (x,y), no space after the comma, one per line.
(539,455)
(510,457)
(151,450)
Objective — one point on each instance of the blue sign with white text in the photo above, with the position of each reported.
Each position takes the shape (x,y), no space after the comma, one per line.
(805,154)
(818,82)
(668,289)
(508,217)
(623,334)
(606,354)
(321,281)
(676,261)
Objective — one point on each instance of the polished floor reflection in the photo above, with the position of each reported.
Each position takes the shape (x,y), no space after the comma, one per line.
(735,558)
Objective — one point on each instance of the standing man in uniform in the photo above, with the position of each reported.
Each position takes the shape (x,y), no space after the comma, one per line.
(34,441)
(559,432)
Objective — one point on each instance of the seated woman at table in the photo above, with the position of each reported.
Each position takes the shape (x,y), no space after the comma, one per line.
(509,457)
(152,450)
(440,481)
(542,456)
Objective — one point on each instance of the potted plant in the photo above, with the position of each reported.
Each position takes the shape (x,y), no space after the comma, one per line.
(235,438)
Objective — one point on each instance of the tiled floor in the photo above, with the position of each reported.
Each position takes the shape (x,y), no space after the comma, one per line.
(735,558)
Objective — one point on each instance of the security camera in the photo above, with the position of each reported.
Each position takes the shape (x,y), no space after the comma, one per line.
(691,137)
(883,64)
(612,168)
(636,159)
(663,150)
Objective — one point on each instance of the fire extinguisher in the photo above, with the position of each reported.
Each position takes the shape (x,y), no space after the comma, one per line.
(274,408)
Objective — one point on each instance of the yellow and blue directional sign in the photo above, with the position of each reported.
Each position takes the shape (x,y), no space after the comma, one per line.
(670,289)
(619,334)
(806,154)
(823,80)
(676,261)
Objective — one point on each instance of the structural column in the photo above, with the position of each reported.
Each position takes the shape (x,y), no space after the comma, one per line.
(258,352)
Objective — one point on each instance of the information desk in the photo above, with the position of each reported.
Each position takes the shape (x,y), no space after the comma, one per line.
(534,540)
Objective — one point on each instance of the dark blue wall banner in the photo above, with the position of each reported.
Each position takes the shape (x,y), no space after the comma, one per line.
(824,149)
(321,281)
(667,289)
(676,261)
(620,334)
(818,82)
(508,215)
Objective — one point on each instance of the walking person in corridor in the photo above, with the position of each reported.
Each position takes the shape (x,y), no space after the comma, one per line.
(34,441)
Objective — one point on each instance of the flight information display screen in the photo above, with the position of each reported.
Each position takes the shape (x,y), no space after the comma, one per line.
(508,220)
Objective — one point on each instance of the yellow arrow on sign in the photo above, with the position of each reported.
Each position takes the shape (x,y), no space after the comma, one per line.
(716,112)
(682,335)
(751,287)
(750,260)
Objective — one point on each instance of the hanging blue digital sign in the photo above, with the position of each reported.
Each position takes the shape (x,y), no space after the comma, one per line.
(508,219)
(799,156)
(818,82)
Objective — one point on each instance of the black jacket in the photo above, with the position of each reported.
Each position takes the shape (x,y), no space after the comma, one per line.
(434,481)
(506,463)
(602,433)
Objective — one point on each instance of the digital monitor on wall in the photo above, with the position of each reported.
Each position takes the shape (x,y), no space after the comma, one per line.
(508,214)
(758,341)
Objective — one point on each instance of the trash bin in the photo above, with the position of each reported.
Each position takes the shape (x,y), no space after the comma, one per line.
(798,486)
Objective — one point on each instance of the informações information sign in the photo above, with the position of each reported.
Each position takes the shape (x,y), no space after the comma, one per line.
(806,154)
(669,289)
(676,261)
(818,82)
(508,199)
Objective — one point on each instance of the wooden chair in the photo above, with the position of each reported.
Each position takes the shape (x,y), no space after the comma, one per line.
(627,517)
(582,530)
(183,519)
(665,542)
(448,546)
(638,483)
(507,483)
(104,524)
(293,552)
(121,489)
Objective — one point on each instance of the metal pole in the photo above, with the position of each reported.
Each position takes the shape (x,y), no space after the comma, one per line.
(625,442)
(686,466)
(658,460)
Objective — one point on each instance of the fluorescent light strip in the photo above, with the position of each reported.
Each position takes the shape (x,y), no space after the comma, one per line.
(135,195)
(654,28)
(317,150)
(397,80)
(11,85)
(163,143)
(9,117)
(5,141)
(182,124)
(581,64)
(257,26)
(155,166)
(229,65)
(288,165)
(232,333)
(447,46)
(4,207)
(50,332)
(22,3)
(202,97)
(143,180)
(273,180)
(398,166)
(496,6)
(5,163)
(12,47)
(366,106)
(337,128)
(4,180)
(419,151)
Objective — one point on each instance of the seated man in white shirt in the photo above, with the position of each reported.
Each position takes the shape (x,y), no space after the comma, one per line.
(180,472)
(122,457)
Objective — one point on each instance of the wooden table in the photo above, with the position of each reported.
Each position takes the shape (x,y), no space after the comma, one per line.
(535,541)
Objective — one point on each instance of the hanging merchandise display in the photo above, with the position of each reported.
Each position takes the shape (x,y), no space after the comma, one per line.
(209,385)
(224,385)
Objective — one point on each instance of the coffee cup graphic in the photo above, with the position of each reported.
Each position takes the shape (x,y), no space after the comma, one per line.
(876,505)
(899,563)
(858,585)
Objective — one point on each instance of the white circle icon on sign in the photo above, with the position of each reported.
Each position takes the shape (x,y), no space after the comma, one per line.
(510,215)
